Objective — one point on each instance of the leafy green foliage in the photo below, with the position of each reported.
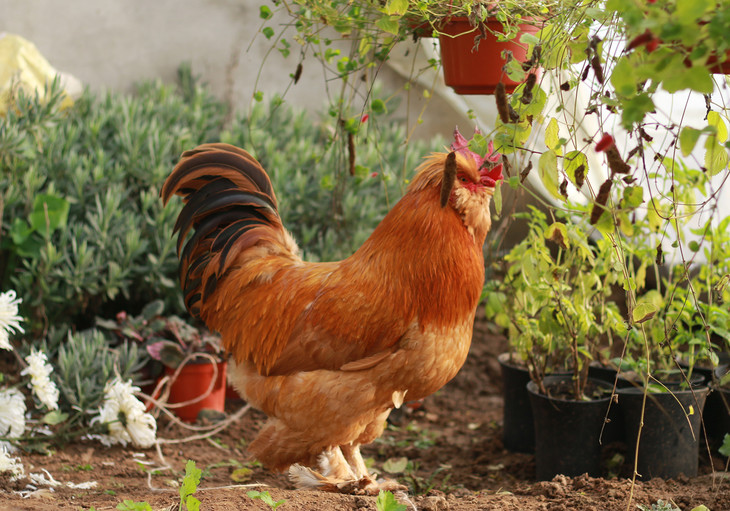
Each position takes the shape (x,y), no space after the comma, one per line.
(81,186)
(725,447)
(659,505)
(386,502)
(85,363)
(189,486)
(555,299)
(130,505)
(266,498)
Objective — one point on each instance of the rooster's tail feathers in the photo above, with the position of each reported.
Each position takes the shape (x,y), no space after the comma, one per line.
(229,204)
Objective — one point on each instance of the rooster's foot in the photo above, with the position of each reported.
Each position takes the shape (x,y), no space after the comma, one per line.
(306,478)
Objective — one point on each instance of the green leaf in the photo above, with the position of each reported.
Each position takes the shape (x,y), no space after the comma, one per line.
(396,7)
(547,168)
(644,311)
(395,465)
(623,78)
(386,502)
(54,417)
(716,158)
(130,505)
(266,498)
(388,24)
(690,10)
(268,32)
(258,96)
(688,139)
(572,162)
(714,120)
(153,309)
(635,109)
(725,447)
(605,223)
(265,12)
(633,197)
(49,212)
(552,135)
(558,233)
(679,77)
(497,198)
(378,106)
(190,481)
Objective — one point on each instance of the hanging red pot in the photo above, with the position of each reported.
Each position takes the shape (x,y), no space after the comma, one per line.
(478,71)
(192,384)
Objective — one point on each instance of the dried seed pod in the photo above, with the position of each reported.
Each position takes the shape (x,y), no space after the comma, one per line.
(597,69)
(506,166)
(297,73)
(500,95)
(615,162)
(598,207)
(447,184)
(526,171)
(351,152)
(529,85)
(565,86)
(584,75)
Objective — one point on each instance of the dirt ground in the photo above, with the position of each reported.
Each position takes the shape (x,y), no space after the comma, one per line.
(452,444)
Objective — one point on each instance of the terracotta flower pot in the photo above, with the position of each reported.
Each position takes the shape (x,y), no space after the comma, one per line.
(192,384)
(470,71)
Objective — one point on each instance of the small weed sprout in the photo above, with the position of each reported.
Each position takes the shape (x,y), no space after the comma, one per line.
(386,502)
(266,498)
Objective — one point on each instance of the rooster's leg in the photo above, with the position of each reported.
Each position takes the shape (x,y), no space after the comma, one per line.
(363,478)
(354,459)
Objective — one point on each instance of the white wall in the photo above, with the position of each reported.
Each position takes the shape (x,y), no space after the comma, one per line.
(111,44)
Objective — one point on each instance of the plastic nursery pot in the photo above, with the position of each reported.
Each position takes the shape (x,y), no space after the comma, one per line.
(567,431)
(478,71)
(192,384)
(518,430)
(613,428)
(716,415)
(669,441)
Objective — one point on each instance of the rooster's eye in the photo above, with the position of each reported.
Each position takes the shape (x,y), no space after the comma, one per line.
(462,179)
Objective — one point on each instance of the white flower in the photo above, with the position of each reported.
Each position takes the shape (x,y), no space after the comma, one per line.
(9,319)
(12,465)
(12,413)
(126,417)
(40,370)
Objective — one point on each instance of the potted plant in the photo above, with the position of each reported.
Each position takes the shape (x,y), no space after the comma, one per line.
(187,368)
(674,351)
(555,303)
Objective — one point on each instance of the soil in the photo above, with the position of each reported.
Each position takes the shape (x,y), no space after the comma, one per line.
(452,442)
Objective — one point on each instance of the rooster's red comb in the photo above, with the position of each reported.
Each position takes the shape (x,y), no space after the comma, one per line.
(490,172)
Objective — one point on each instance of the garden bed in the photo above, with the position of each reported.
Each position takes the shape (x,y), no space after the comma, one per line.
(453,444)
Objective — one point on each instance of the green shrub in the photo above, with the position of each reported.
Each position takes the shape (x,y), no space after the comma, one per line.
(97,168)
(83,232)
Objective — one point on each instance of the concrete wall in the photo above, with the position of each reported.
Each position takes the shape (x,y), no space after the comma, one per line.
(111,44)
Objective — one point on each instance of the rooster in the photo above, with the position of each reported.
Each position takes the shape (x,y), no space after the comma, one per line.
(328,349)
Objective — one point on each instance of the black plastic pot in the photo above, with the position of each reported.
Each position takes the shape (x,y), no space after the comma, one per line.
(717,410)
(518,431)
(669,441)
(613,429)
(567,432)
